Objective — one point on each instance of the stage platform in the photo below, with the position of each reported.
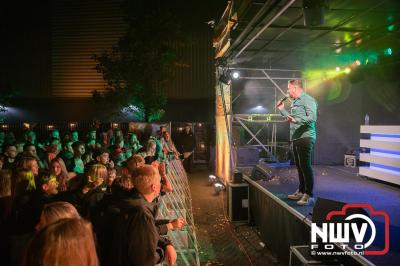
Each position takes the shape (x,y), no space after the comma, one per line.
(283,223)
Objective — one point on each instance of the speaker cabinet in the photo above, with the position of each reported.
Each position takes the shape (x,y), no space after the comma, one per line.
(238,202)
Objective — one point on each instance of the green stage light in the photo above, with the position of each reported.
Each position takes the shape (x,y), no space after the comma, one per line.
(391,27)
(388,51)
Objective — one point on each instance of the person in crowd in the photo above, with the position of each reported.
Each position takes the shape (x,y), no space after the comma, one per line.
(105,217)
(169,147)
(10,155)
(149,155)
(67,153)
(55,211)
(91,143)
(132,145)
(46,191)
(30,149)
(136,240)
(74,136)
(29,163)
(118,151)
(5,214)
(5,196)
(94,189)
(111,176)
(19,145)
(102,155)
(187,145)
(104,140)
(302,119)
(76,164)
(9,138)
(2,139)
(87,157)
(59,170)
(65,242)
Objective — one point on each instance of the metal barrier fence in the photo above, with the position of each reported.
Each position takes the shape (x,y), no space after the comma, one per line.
(178,203)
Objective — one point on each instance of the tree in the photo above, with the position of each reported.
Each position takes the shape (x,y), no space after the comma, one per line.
(136,69)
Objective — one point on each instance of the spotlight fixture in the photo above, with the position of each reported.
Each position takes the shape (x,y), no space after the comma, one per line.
(225,78)
(212,179)
(26,125)
(235,75)
(50,127)
(347,70)
(73,125)
(218,187)
(114,125)
(4,126)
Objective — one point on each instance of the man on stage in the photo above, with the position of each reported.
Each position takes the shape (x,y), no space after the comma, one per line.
(302,119)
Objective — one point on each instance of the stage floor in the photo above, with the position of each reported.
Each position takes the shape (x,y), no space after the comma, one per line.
(343,184)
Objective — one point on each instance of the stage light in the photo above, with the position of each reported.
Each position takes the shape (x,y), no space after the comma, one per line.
(202,146)
(235,75)
(50,127)
(359,41)
(218,187)
(388,51)
(225,78)
(200,125)
(212,179)
(180,128)
(4,126)
(391,27)
(259,107)
(347,70)
(26,125)
(72,125)
(338,50)
(358,62)
(114,125)
(337,69)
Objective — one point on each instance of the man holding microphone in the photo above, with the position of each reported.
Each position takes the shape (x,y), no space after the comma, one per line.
(302,119)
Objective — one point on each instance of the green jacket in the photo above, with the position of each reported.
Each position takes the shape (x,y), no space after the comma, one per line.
(304,111)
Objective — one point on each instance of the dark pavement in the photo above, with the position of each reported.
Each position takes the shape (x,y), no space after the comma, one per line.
(221,242)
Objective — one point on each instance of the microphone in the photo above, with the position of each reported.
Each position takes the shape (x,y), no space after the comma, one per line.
(283,99)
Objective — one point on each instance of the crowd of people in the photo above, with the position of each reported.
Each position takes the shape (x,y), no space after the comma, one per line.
(95,202)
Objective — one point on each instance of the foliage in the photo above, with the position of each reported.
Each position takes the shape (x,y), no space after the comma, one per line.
(136,69)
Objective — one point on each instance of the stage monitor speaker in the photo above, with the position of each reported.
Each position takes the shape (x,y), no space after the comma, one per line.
(313,11)
(321,209)
(323,206)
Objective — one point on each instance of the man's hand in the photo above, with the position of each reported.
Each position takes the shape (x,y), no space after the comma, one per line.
(280,105)
(291,119)
(170,255)
(178,223)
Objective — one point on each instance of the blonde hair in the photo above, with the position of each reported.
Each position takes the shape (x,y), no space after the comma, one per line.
(97,171)
(25,181)
(65,242)
(145,176)
(52,212)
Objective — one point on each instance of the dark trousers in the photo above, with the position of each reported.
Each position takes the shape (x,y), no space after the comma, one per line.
(187,163)
(302,149)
